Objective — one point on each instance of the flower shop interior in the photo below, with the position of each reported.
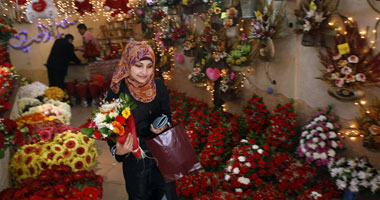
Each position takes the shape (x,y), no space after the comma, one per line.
(279,98)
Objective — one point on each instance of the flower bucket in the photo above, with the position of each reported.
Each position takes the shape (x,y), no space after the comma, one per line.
(267,50)
(313,40)
(346,94)
(232,32)
(348,195)
(247,8)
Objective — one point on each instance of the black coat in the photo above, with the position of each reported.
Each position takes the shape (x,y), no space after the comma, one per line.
(61,54)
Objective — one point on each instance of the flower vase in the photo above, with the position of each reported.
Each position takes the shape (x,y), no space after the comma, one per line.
(247,8)
(313,39)
(267,50)
(346,94)
(348,195)
(232,32)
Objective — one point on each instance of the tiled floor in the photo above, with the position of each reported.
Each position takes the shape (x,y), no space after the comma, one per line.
(106,166)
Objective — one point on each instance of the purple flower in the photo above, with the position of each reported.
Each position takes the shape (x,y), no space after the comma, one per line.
(309,159)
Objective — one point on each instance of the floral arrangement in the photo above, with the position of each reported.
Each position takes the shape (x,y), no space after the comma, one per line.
(320,139)
(6,29)
(313,15)
(356,175)
(369,124)
(91,52)
(323,189)
(56,93)
(245,168)
(61,112)
(179,31)
(232,17)
(59,182)
(238,55)
(11,135)
(7,74)
(197,184)
(189,43)
(256,114)
(267,24)
(230,81)
(32,119)
(155,16)
(72,149)
(32,90)
(268,192)
(282,126)
(355,65)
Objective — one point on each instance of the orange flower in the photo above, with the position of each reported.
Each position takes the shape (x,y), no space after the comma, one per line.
(117,128)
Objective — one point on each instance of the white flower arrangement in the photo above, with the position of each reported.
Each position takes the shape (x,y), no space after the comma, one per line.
(356,175)
(319,140)
(61,113)
(25,102)
(32,90)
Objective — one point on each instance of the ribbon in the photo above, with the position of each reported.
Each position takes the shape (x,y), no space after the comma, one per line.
(130,128)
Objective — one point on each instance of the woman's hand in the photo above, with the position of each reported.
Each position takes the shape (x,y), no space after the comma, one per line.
(125,148)
(158,131)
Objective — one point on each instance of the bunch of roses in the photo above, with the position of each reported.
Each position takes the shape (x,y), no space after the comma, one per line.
(56,93)
(320,139)
(268,192)
(198,129)
(256,114)
(197,184)
(356,175)
(72,149)
(219,195)
(282,127)
(295,176)
(214,152)
(11,135)
(246,166)
(323,189)
(59,182)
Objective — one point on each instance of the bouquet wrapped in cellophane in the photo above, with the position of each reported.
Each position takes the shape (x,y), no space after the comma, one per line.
(113,120)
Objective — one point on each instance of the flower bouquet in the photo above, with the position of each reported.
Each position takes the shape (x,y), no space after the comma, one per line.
(355,175)
(11,135)
(238,56)
(189,46)
(369,124)
(59,182)
(91,52)
(113,121)
(56,93)
(350,64)
(256,114)
(320,139)
(61,112)
(312,20)
(32,90)
(7,74)
(323,188)
(72,149)
(32,119)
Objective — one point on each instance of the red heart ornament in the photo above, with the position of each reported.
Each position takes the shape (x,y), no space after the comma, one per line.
(213,74)
(39,6)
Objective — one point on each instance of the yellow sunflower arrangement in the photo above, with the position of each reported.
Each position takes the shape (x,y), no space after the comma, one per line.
(72,149)
(56,93)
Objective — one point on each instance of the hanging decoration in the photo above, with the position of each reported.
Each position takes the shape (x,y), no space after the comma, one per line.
(312,20)
(116,6)
(83,6)
(41,9)
(350,65)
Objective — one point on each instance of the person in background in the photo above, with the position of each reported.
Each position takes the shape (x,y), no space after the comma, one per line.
(60,56)
(88,38)
(135,77)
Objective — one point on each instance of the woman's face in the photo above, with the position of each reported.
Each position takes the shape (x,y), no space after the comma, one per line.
(142,70)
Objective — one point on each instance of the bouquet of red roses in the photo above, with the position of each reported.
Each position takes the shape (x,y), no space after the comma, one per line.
(256,114)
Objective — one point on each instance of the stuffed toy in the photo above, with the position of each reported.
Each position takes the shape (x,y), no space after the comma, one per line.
(116,6)
(40,9)
(83,6)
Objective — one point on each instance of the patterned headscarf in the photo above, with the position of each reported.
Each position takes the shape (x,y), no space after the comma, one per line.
(134,52)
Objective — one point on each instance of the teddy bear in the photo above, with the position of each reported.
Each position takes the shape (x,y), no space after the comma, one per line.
(40,9)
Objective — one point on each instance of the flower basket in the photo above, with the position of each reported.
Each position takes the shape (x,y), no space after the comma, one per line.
(247,8)
(346,94)
(267,50)
(313,40)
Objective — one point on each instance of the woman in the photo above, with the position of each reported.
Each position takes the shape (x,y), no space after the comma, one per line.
(135,77)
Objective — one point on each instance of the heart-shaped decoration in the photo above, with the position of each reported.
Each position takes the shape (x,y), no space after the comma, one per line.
(213,74)
(39,6)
